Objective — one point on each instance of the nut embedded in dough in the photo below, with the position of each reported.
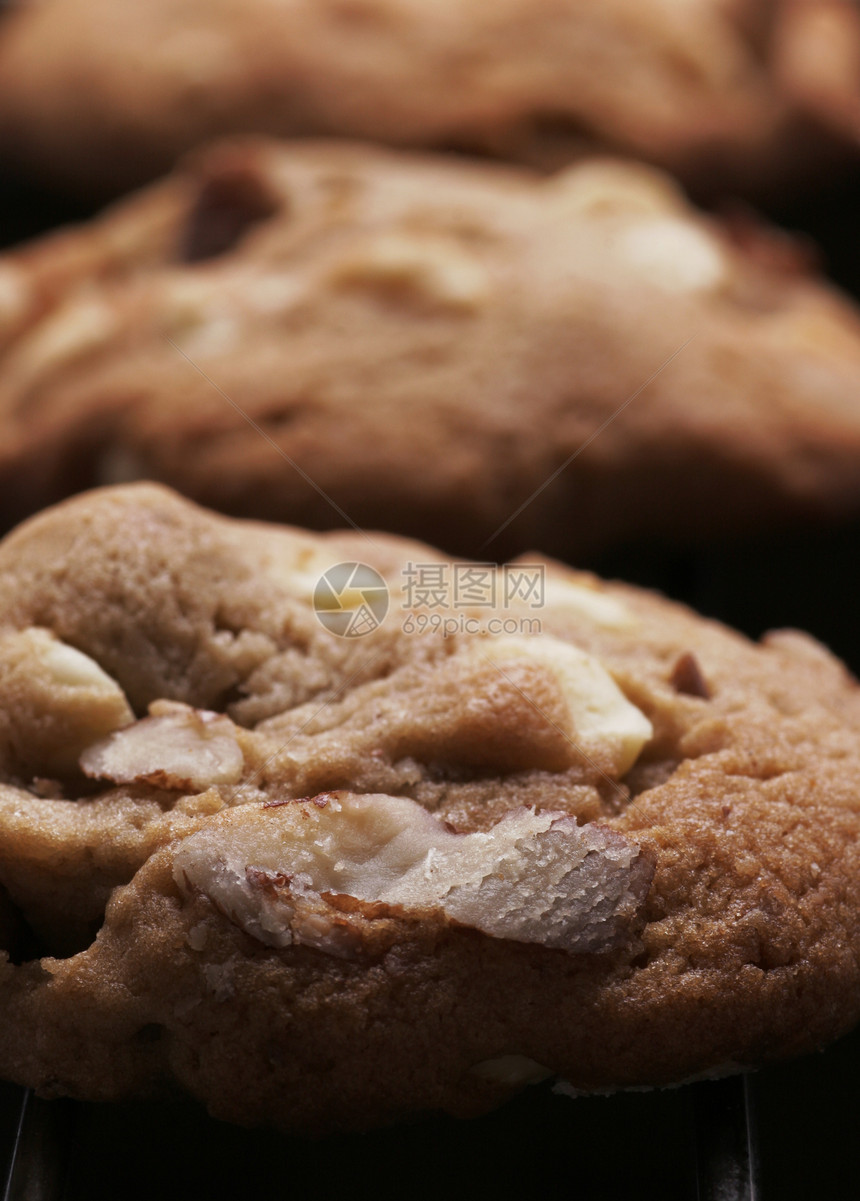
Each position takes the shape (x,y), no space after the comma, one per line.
(176,747)
(278,871)
(54,702)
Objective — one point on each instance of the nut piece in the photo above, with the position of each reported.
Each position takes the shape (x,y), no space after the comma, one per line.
(605,728)
(176,747)
(687,677)
(283,872)
(54,701)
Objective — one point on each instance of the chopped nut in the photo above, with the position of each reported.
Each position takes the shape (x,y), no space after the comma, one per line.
(604,726)
(54,702)
(176,747)
(302,872)
(687,677)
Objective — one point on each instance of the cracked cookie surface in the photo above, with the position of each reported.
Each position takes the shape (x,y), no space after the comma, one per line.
(322,882)
(425,345)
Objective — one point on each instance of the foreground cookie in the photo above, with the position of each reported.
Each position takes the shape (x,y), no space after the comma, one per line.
(472,355)
(726,95)
(324,880)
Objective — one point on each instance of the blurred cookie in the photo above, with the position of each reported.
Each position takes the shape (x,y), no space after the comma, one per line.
(729,94)
(468,354)
(323,881)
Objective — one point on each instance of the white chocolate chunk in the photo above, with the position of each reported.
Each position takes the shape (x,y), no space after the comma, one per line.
(54,702)
(64,336)
(604,188)
(277,872)
(300,568)
(347,588)
(177,747)
(597,607)
(67,666)
(673,254)
(604,726)
(331,584)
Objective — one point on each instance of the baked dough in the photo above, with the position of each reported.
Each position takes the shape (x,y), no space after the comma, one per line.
(728,94)
(330,333)
(322,882)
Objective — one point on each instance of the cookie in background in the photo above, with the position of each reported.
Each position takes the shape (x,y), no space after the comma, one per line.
(472,354)
(731,95)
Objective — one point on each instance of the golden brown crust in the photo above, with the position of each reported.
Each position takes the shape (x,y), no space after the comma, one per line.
(743,802)
(728,93)
(426,345)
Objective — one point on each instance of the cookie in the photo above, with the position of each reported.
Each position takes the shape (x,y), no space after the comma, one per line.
(323,876)
(472,355)
(729,96)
